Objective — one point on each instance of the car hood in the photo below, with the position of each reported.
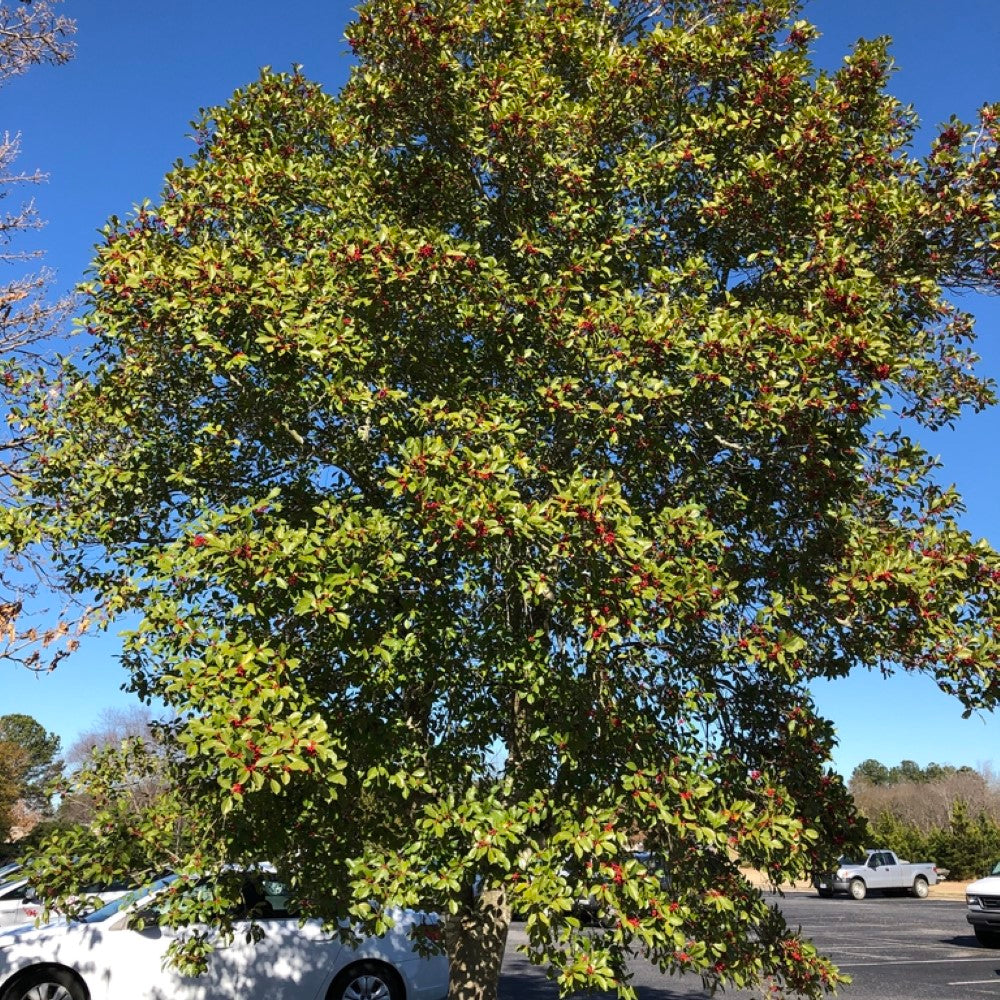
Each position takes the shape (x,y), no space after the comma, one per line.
(989,886)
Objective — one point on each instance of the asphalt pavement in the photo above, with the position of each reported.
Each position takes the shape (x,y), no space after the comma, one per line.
(893,947)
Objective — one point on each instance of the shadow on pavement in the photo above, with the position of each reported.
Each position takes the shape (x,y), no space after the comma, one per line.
(522,981)
(968,941)
(533,987)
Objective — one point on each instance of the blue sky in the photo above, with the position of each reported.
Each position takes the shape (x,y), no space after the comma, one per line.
(108,126)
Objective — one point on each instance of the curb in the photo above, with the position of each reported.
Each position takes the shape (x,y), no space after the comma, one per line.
(943,890)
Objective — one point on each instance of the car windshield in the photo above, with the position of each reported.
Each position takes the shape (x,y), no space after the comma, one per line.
(124,902)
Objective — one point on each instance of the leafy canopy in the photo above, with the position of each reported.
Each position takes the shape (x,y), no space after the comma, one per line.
(496,450)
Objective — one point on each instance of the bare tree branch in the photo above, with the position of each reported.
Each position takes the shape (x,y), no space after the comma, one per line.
(31,33)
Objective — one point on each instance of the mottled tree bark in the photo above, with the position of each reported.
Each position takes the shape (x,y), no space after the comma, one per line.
(475,940)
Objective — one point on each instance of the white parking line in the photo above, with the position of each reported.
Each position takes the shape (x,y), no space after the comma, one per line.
(911,961)
(976,982)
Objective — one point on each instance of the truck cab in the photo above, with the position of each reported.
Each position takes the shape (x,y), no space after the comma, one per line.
(883,870)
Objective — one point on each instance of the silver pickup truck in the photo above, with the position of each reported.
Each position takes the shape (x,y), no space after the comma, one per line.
(878,870)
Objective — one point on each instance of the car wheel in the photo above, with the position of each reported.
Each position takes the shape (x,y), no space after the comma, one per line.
(920,888)
(367,981)
(46,984)
(987,938)
(825,893)
(858,889)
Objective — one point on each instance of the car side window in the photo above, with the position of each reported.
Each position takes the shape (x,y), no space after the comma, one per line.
(118,885)
(16,893)
(264,898)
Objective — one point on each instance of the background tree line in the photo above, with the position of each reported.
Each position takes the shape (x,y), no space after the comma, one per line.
(32,772)
(28,763)
(940,813)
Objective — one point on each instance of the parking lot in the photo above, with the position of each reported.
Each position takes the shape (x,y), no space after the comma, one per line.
(896,948)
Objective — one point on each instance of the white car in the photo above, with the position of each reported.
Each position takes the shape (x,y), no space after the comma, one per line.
(102,958)
(12,901)
(18,904)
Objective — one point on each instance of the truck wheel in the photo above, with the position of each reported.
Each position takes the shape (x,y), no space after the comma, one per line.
(857,888)
(920,889)
(987,938)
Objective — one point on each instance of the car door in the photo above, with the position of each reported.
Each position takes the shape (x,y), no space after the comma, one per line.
(883,873)
(133,960)
(137,969)
(289,959)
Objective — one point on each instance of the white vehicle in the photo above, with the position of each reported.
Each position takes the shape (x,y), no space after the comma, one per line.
(18,904)
(982,901)
(12,902)
(102,958)
(589,908)
(878,870)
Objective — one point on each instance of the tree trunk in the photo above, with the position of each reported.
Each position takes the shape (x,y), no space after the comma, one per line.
(475,939)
